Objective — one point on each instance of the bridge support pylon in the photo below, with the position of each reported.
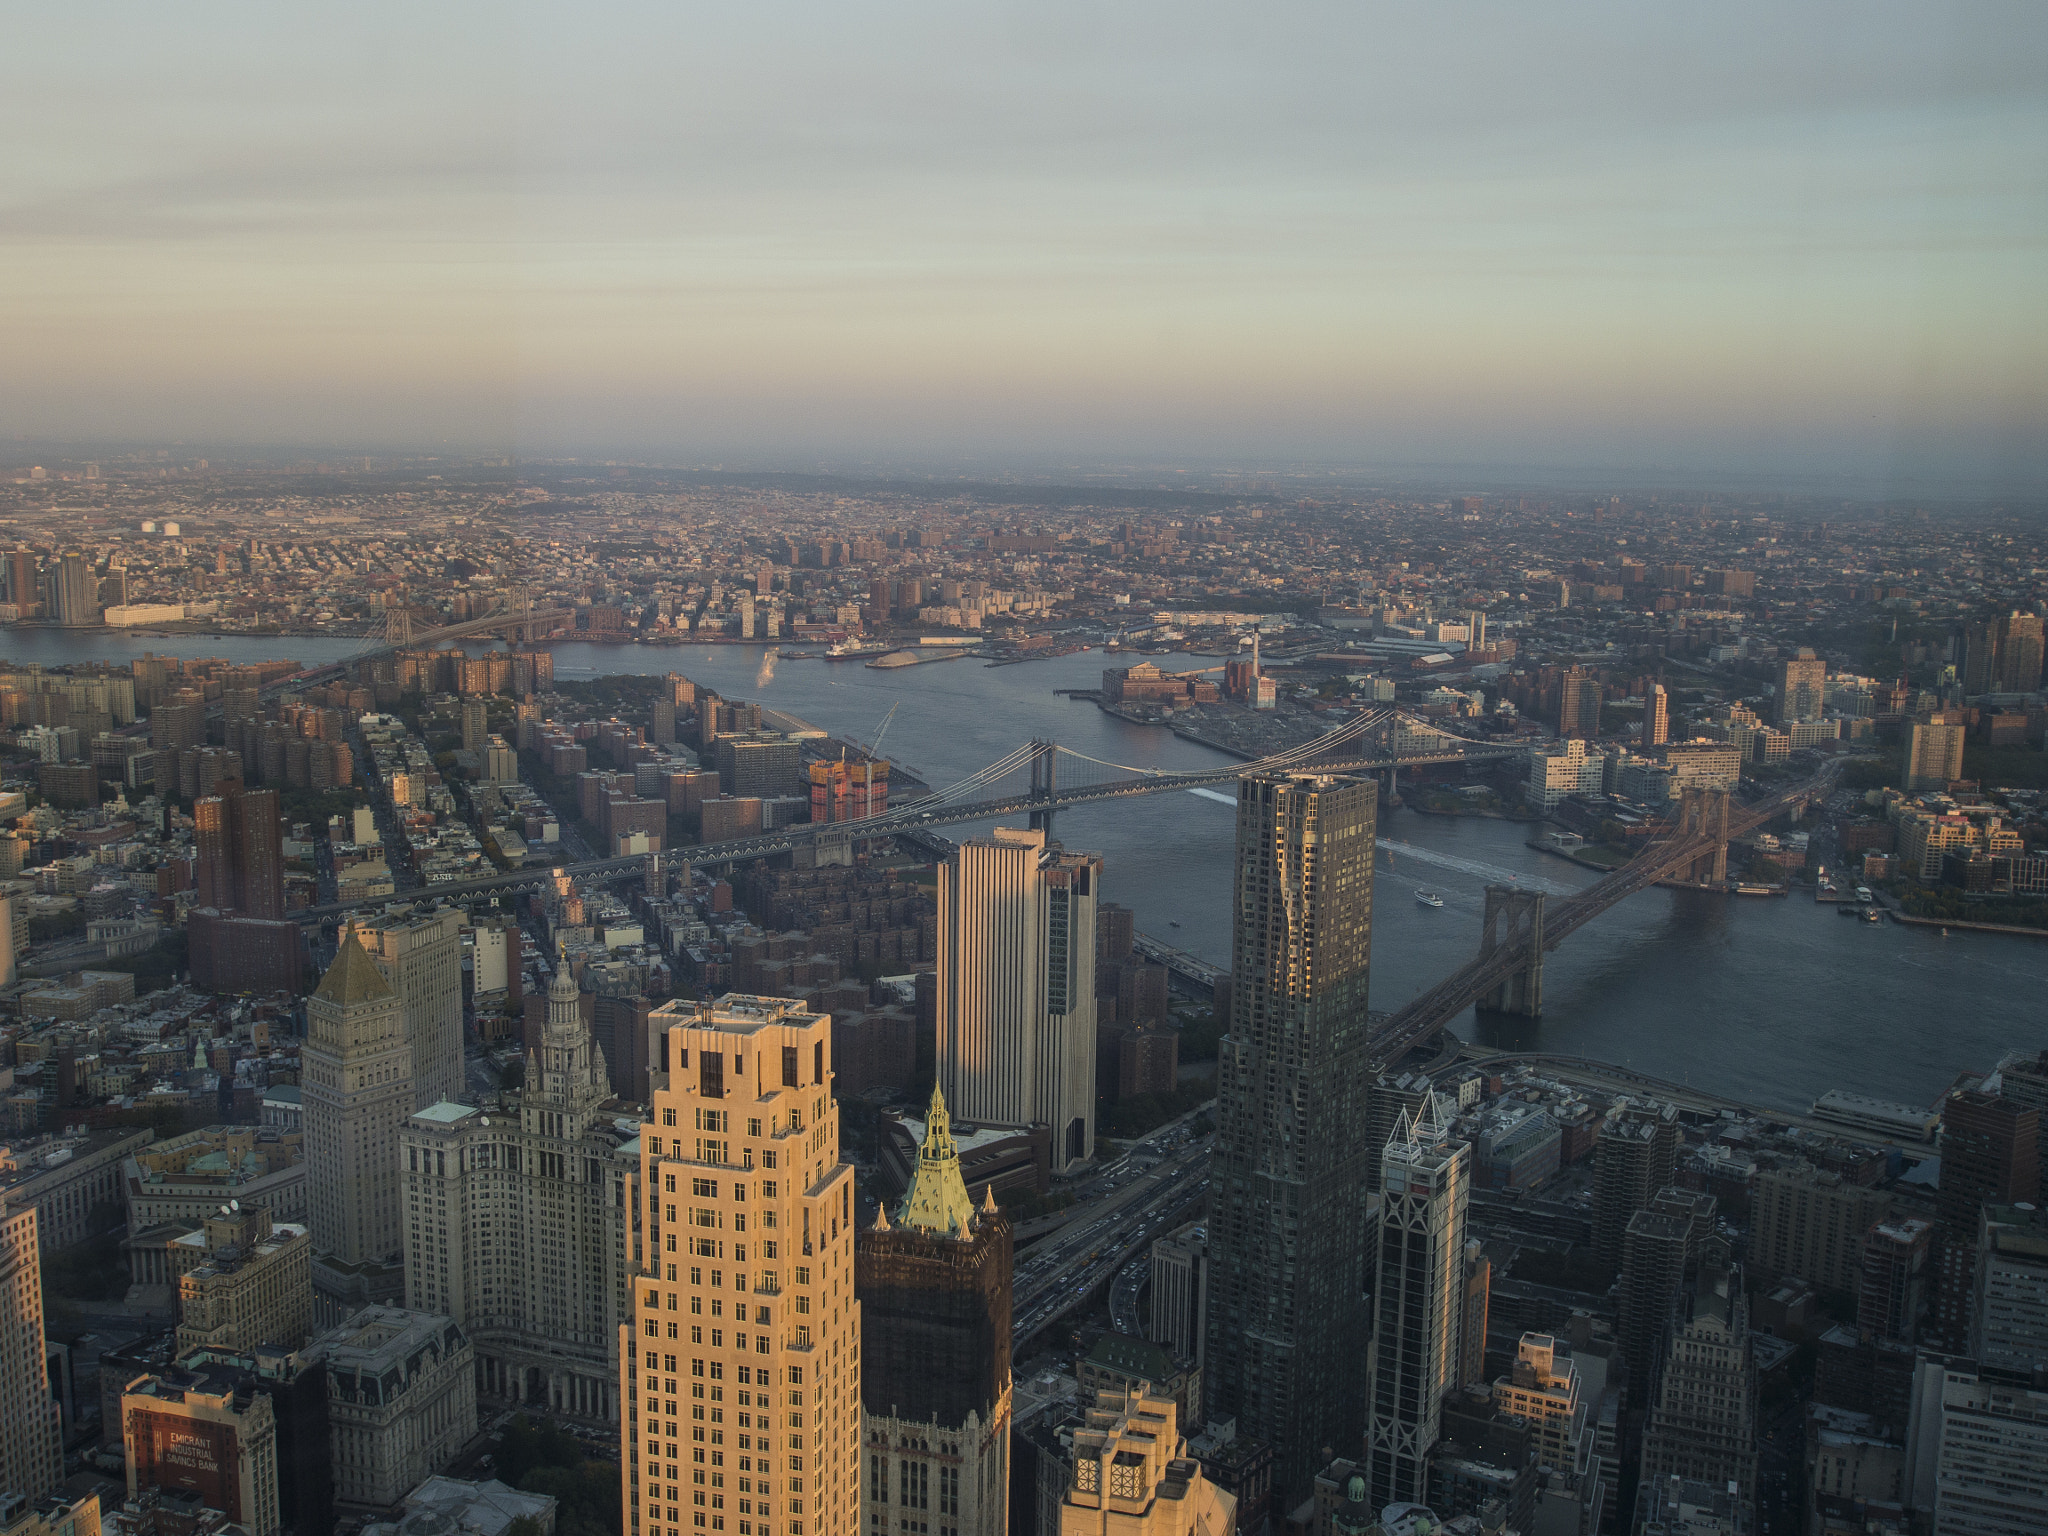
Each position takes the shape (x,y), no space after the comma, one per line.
(1045,758)
(1703,812)
(1513,917)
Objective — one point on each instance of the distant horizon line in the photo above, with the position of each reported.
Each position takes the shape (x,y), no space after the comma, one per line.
(1478,477)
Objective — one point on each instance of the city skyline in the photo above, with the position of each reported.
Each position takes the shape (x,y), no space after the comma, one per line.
(1803,245)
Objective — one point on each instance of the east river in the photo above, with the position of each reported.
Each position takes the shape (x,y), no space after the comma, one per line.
(1772,1001)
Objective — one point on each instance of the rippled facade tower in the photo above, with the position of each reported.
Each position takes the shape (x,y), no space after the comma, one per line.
(1287,1326)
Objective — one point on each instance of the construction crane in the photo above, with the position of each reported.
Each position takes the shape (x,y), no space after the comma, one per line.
(882,730)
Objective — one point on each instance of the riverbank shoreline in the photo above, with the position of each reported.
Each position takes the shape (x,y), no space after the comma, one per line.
(1966,927)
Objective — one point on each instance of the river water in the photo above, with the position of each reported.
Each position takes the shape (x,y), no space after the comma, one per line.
(1774,1001)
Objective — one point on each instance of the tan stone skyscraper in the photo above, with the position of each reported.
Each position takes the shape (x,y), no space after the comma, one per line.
(1017,987)
(519,1222)
(422,958)
(740,1369)
(31,1455)
(357,1090)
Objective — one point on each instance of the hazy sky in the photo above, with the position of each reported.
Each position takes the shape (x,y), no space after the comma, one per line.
(1805,238)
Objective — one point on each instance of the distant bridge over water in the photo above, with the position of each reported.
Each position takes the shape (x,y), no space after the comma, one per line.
(1035,780)
(1522,925)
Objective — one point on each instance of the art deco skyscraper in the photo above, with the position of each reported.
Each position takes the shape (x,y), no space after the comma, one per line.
(1287,1240)
(934,1288)
(357,1088)
(740,1370)
(1017,987)
(1418,1300)
(1702,1424)
(519,1222)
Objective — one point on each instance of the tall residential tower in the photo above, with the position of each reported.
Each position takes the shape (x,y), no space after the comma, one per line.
(1287,1238)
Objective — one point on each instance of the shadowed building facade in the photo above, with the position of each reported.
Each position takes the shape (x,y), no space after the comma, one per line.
(934,1287)
(1287,1237)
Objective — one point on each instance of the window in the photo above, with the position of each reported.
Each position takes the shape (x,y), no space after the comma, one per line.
(668,1117)
(878,1479)
(706,1189)
(789,1066)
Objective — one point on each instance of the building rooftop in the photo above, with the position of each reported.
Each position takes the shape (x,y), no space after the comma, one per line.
(354,977)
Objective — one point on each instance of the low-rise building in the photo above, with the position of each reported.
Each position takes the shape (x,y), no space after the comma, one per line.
(249,1282)
(67,1176)
(401,1401)
(190,1177)
(203,1432)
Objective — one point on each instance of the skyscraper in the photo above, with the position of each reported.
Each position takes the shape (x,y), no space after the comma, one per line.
(1287,1239)
(1989,1156)
(1802,686)
(239,843)
(520,1223)
(74,590)
(31,1452)
(1016,1041)
(422,958)
(1132,1474)
(1578,704)
(2003,655)
(1977,1460)
(1418,1301)
(2009,1316)
(1633,1159)
(24,587)
(357,1090)
(934,1289)
(1934,754)
(1702,1425)
(1656,717)
(744,1133)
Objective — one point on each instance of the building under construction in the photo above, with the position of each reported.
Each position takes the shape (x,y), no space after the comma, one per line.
(844,791)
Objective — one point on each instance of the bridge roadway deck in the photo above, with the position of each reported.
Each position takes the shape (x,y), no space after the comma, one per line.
(914,817)
(1464,987)
(483,626)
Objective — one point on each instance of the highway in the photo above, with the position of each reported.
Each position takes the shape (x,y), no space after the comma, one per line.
(1062,1275)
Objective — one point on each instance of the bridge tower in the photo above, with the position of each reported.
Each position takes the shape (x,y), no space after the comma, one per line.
(398,627)
(1515,917)
(1703,812)
(1044,783)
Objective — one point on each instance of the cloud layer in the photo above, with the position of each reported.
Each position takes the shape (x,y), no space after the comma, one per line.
(1748,239)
